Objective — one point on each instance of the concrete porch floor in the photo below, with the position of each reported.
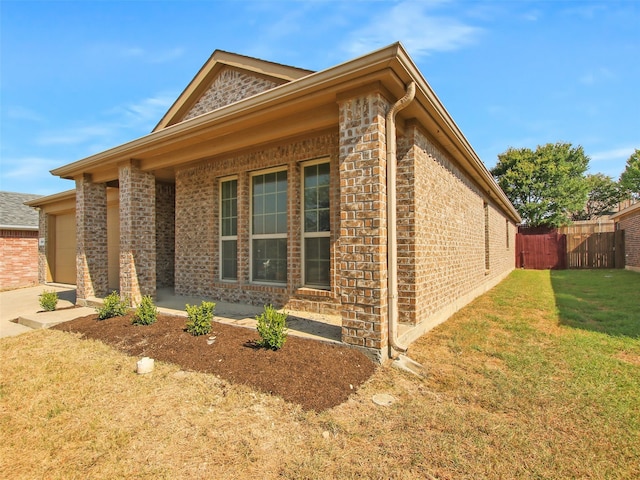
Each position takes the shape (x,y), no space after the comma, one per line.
(301,324)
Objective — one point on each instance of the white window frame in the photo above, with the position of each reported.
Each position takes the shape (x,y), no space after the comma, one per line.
(224,238)
(306,235)
(267,236)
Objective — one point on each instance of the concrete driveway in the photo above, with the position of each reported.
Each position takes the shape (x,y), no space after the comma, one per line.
(26,302)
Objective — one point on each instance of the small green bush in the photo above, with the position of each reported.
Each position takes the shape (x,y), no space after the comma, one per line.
(146,313)
(200,318)
(272,328)
(113,306)
(49,300)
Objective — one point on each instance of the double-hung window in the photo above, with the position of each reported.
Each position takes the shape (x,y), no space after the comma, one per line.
(316,231)
(269,227)
(229,229)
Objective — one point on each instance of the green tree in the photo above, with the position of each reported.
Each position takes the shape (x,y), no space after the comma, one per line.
(603,197)
(630,178)
(545,185)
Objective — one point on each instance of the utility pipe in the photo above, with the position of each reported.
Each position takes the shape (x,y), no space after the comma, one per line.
(392,245)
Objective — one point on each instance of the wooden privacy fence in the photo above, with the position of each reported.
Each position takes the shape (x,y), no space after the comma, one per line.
(542,251)
(595,250)
(571,250)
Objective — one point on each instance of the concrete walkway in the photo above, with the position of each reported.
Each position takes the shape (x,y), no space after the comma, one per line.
(20,312)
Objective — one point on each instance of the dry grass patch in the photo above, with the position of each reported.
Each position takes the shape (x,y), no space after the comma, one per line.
(510,393)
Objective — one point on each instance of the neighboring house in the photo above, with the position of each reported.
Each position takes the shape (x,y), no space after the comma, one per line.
(348,191)
(628,220)
(18,241)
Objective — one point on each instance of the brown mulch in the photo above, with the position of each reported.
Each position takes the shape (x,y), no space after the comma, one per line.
(317,375)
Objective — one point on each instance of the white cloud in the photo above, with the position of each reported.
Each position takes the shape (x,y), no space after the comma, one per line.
(610,162)
(145,112)
(120,123)
(73,135)
(532,15)
(613,154)
(598,75)
(23,113)
(26,167)
(421,31)
(136,53)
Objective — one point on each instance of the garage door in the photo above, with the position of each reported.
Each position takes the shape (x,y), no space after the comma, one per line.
(65,249)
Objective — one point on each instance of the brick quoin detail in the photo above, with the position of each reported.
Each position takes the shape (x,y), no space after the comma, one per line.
(91,234)
(363,266)
(137,233)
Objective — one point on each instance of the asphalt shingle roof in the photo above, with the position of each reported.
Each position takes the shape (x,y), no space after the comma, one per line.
(14,213)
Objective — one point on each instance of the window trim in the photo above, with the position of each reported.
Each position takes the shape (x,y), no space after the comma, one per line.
(227,237)
(267,236)
(304,235)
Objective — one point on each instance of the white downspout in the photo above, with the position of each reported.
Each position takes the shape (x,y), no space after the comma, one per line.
(392,246)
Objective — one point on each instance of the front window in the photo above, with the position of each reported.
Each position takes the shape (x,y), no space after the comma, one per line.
(317,258)
(229,229)
(269,227)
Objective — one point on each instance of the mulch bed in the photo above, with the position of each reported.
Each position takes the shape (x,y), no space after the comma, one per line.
(317,375)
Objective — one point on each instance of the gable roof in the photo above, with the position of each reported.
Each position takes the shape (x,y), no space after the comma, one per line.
(297,107)
(217,63)
(14,214)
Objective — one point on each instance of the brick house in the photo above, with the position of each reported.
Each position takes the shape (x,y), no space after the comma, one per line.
(18,241)
(628,220)
(348,191)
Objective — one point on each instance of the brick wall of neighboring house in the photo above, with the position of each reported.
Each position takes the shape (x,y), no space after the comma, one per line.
(630,223)
(230,85)
(197,230)
(19,258)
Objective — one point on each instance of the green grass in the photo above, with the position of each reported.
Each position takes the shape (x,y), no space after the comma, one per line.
(606,301)
(514,390)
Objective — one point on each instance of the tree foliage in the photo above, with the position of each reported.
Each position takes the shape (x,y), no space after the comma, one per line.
(545,185)
(602,199)
(630,178)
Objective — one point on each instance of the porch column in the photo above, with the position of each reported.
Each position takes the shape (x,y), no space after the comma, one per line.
(137,232)
(91,237)
(44,270)
(363,259)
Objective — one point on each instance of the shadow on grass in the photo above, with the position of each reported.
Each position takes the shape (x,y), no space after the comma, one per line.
(605,301)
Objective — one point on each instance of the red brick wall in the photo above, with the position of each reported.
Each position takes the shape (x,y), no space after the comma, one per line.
(18,259)
(631,225)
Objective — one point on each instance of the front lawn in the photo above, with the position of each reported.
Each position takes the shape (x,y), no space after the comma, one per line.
(521,384)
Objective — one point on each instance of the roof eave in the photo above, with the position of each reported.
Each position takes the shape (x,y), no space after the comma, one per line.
(393,57)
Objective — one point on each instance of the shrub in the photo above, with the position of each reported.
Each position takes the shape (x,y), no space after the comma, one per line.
(272,328)
(146,313)
(113,306)
(49,300)
(200,318)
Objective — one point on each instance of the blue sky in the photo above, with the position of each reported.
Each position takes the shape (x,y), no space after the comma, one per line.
(80,77)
